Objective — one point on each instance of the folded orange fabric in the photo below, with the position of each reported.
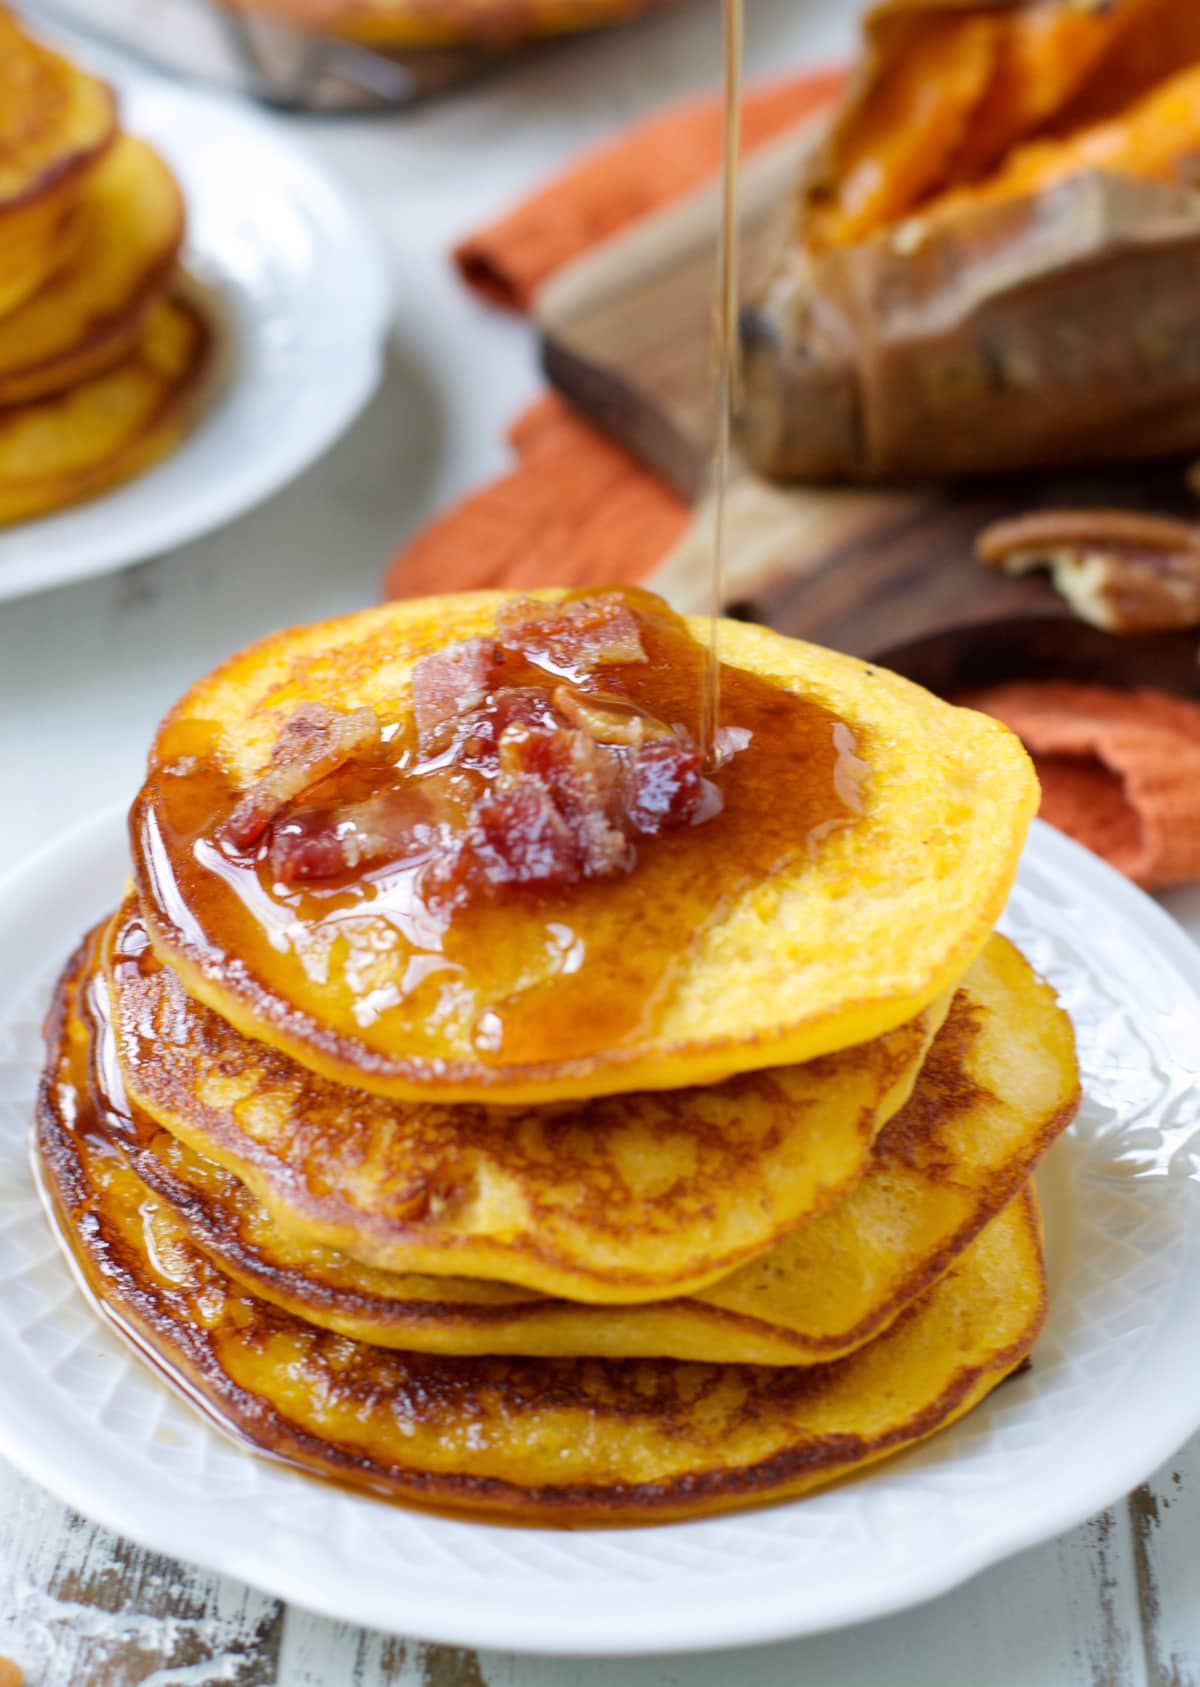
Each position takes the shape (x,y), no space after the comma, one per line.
(575,511)
(647,167)
(1120,770)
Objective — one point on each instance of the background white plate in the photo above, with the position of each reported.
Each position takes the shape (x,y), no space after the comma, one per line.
(299,292)
(1114,1389)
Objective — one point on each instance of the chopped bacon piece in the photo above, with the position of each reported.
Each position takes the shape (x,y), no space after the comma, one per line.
(609,720)
(581,778)
(531,783)
(518,836)
(478,735)
(664,785)
(572,637)
(452,681)
(318,843)
(314,742)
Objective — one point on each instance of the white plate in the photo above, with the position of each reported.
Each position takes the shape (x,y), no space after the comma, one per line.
(1114,1389)
(299,291)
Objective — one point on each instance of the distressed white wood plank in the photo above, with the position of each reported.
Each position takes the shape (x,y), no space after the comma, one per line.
(81,1608)
(1166,1540)
(317,1653)
(1063,1615)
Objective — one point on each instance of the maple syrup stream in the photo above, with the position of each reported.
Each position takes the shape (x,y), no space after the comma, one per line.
(725,349)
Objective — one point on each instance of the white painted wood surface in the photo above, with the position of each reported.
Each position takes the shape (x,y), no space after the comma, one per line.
(84,674)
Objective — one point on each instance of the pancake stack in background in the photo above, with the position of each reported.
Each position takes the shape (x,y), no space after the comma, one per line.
(475,1101)
(403,24)
(100,355)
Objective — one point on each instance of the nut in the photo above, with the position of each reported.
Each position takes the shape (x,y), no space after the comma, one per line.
(1118,570)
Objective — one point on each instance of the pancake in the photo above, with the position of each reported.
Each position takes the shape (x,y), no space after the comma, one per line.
(617,1200)
(56,122)
(129,226)
(868,839)
(951,1158)
(566,1441)
(30,256)
(61,450)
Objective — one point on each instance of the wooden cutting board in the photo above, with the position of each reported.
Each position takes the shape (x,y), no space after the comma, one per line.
(886,574)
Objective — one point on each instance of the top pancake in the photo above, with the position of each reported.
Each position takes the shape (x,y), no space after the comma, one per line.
(129,226)
(812,914)
(56,123)
(55,120)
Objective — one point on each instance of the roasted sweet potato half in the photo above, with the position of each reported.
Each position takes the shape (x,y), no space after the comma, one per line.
(993,260)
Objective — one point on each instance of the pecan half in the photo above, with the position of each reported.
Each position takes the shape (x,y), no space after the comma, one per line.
(1118,570)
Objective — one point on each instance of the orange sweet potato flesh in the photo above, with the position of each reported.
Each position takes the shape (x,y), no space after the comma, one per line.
(1158,137)
(992,263)
(946,88)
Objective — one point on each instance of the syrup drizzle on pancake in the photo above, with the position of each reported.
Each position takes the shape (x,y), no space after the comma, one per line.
(726,351)
(534,975)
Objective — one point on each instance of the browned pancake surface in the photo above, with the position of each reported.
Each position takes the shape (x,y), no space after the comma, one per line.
(620,1199)
(546,1440)
(950,1159)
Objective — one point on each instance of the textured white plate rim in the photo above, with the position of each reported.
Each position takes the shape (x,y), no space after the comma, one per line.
(579,1626)
(252,480)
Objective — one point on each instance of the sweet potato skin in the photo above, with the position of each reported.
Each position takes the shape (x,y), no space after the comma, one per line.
(1069,335)
(999,318)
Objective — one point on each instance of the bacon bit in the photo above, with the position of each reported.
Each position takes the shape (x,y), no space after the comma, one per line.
(518,836)
(580,777)
(452,681)
(588,632)
(477,738)
(317,843)
(1118,570)
(665,786)
(608,720)
(524,785)
(314,742)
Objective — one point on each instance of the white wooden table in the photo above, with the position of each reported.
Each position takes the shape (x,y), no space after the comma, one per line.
(84,674)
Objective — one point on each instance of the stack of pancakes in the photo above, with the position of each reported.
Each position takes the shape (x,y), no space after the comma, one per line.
(100,356)
(641,1199)
(403,24)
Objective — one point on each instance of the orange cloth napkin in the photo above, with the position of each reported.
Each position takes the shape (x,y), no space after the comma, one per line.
(577,509)
(1120,771)
(645,168)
